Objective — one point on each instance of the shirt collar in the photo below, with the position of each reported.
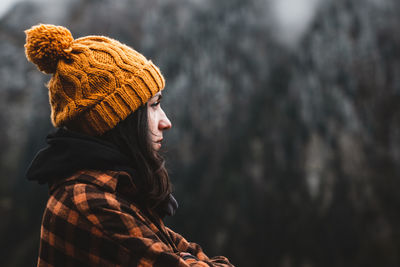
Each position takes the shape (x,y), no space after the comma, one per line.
(107,180)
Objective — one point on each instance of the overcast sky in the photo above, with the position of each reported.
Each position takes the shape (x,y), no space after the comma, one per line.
(293,18)
(5,5)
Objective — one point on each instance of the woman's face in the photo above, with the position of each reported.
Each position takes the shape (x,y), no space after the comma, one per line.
(158,121)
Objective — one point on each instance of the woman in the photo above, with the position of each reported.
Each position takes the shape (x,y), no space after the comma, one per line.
(109,189)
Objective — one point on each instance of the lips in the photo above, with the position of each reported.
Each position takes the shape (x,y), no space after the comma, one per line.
(157,144)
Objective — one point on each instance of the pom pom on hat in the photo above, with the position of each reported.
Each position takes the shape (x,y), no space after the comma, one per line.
(46,44)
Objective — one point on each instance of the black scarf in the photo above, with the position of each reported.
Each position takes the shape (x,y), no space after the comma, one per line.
(68,152)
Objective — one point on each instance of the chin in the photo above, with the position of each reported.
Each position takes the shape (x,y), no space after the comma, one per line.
(156,146)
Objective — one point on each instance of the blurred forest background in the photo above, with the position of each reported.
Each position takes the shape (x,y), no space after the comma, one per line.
(285,147)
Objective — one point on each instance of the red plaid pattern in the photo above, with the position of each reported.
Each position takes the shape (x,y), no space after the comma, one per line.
(89,222)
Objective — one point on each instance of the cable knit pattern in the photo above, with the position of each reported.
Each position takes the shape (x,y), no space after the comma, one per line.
(96,82)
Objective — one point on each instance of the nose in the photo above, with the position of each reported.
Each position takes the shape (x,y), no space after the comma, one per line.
(164,123)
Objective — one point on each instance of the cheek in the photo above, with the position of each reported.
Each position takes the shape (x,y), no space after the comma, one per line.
(152,120)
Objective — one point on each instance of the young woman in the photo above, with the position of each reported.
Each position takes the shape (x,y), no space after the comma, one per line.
(109,189)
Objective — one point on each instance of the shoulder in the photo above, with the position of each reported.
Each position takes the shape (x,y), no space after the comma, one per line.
(105,180)
(90,200)
(89,188)
(91,194)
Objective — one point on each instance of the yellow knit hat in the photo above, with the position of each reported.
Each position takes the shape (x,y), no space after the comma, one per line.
(97,81)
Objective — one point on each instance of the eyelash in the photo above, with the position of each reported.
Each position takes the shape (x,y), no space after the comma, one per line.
(156,104)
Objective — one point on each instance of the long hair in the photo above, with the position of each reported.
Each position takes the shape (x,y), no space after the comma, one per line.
(131,136)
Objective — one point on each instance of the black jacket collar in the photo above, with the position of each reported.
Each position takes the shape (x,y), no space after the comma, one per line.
(68,152)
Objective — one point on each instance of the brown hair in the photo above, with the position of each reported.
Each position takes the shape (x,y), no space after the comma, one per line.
(131,136)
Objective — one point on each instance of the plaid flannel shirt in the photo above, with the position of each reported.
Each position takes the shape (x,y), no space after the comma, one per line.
(88,223)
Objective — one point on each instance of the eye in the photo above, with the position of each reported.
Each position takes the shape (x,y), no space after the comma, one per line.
(155,104)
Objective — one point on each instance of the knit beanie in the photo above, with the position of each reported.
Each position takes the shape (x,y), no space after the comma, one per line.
(96,81)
